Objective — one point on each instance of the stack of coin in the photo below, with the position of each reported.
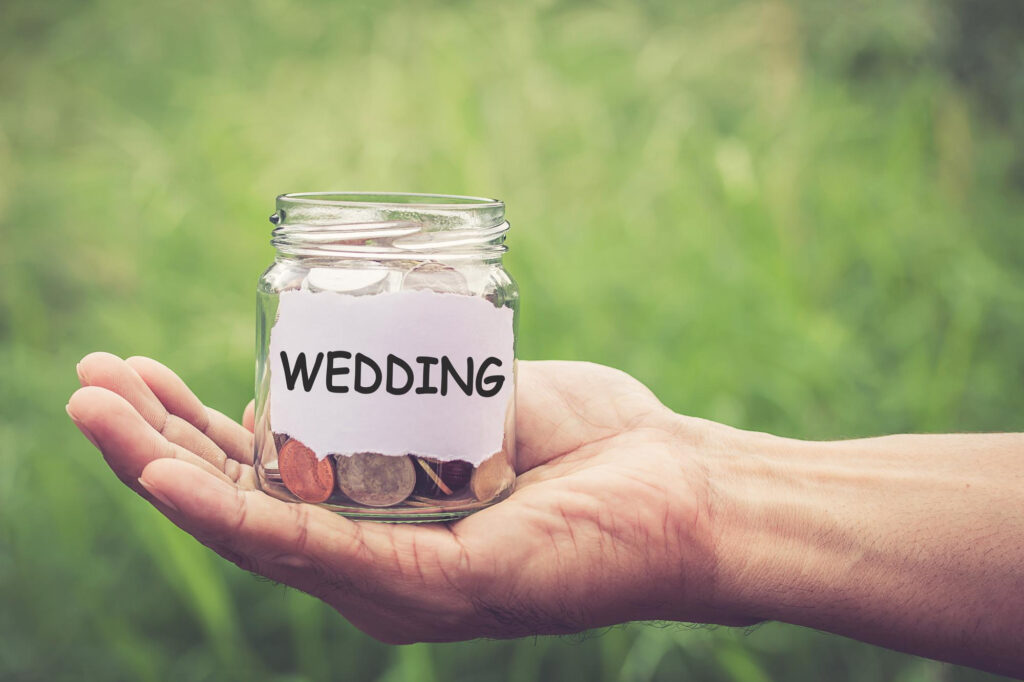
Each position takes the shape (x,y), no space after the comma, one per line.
(376,480)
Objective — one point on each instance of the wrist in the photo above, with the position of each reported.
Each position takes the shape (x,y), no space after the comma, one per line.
(726,556)
(775,526)
(768,527)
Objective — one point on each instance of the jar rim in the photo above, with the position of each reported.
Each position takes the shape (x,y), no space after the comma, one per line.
(408,200)
(397,225)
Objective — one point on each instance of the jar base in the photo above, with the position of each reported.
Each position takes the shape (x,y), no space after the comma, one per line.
(421,518)
(425,513)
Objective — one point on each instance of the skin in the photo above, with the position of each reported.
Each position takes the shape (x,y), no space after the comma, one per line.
(623,510)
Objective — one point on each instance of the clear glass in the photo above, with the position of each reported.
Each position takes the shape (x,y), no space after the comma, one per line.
(367,244)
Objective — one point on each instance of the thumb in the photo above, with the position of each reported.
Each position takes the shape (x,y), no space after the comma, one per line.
(249,416)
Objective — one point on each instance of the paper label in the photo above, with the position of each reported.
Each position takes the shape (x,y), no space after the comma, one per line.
(411,372)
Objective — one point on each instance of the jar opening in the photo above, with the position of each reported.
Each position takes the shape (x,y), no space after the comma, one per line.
(398,199)
(389,225)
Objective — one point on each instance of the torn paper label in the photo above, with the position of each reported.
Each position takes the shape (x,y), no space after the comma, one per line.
(411,372)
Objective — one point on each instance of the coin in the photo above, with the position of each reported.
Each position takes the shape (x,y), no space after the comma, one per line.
(432,276)
(376,480)
(491,477)
(357,281)
(434,477)
(308,478)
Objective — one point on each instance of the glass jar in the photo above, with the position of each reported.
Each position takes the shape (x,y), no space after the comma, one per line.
(385,368)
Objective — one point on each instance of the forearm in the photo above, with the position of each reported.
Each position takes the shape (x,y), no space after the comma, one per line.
(910,542)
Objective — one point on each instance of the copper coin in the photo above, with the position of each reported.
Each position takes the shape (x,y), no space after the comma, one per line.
(435,478)
(376,480)
(308,478)
(491,477)
(431,276)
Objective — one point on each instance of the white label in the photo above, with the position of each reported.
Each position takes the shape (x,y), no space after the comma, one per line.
(412,372)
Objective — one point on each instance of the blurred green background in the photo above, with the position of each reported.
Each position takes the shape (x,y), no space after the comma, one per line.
(799,217)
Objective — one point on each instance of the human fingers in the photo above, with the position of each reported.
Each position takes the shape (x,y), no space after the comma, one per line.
(562,406)
(179,400)
(547,425)
(128,442)
(114,374)
(337,559)
(251,524)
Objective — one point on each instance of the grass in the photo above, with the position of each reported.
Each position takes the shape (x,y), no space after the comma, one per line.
(775,215)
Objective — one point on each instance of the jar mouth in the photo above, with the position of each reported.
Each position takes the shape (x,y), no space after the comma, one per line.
(405,200)
(389,225)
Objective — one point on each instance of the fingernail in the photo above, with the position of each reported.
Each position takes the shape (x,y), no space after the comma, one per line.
(158,495)
(81,427)
(81,376)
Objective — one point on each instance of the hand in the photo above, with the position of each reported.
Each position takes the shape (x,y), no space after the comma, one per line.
(608,521)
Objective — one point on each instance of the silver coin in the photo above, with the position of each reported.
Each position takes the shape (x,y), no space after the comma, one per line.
(433,276)
(375,480)
(356,281)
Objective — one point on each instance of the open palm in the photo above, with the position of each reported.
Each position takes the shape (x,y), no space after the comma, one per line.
(607,522)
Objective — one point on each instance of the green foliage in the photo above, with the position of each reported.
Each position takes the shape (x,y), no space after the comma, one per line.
(782,215)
